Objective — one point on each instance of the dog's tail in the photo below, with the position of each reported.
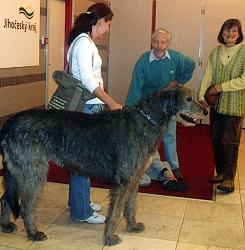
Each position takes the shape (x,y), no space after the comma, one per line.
(11,195)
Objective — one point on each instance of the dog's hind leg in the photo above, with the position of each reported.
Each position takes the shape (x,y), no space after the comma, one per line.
(9,200)
(31,191)
(130,209)
(117,196)
(28,206)
(6,225)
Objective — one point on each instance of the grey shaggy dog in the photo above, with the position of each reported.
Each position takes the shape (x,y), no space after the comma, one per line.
(114,146)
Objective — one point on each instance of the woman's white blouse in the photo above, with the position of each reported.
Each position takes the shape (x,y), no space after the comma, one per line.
(86,64)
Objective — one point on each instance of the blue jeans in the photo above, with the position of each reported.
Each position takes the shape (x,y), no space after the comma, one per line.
(170,148)
(79,189)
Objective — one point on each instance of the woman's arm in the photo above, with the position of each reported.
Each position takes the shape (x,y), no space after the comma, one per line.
(103,96)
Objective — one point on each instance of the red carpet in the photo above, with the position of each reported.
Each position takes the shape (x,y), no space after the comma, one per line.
(196,164)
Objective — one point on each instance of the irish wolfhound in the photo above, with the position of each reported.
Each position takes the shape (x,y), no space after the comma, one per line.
(114,146)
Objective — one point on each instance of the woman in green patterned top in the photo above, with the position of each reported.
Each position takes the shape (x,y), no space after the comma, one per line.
(225,71)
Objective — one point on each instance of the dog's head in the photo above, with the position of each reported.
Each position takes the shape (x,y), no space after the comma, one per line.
(180,104)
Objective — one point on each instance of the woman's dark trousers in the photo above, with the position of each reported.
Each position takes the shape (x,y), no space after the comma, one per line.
(226,134)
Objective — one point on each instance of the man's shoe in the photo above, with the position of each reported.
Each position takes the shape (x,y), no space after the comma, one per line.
(177,186)
(96,207)
(217,179)
(94,219)
(178,175)
(226,186)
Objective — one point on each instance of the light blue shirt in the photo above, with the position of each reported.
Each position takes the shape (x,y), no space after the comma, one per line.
(152,56)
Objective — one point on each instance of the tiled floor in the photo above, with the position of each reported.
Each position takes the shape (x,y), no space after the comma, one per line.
(171,223)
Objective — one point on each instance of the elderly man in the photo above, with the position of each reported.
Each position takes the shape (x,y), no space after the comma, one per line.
(157,69)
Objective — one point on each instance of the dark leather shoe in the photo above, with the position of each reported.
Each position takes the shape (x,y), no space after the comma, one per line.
(226,186)
(178,175)
(177,186)
(217,179)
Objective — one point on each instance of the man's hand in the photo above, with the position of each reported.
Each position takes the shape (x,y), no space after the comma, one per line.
(173,84)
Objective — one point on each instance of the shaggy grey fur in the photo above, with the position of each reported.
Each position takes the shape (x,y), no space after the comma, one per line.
(114,146)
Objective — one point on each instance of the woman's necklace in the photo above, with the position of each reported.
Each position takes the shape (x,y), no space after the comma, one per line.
(229,51)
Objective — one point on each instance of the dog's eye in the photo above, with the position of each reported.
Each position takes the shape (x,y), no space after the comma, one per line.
(189,99)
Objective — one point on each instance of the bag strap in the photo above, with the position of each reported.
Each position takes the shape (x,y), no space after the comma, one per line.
(75,99)
(78,90)
(69,65)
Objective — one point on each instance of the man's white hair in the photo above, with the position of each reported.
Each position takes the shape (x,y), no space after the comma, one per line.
(160,30)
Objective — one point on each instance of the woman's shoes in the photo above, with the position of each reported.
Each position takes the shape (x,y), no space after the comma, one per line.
(96,207)
(226,186)
(94,219)
(217,179)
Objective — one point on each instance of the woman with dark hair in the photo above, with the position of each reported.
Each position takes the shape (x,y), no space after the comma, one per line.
(85,65)
(225,72)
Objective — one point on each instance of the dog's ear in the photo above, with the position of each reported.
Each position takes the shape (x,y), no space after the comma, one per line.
(169,101)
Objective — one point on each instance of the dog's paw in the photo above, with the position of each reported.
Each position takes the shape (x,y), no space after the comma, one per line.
(38,236)
(9,228)
(112,240)
(136,228)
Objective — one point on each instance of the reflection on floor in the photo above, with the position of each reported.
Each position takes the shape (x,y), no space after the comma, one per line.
(171,223)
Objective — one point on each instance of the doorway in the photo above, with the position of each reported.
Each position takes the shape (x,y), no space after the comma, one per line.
(56,43)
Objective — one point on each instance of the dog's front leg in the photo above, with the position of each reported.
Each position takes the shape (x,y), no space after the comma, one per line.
(131,207)
(117,196)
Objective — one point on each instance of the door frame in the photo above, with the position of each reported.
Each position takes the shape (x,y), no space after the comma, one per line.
(68,25)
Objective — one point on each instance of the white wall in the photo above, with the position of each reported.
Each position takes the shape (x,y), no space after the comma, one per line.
(129,38)
(182,19)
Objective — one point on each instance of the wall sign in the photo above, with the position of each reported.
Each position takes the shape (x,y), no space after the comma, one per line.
(19,33)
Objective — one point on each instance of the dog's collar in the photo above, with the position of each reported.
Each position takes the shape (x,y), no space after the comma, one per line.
(147,117)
